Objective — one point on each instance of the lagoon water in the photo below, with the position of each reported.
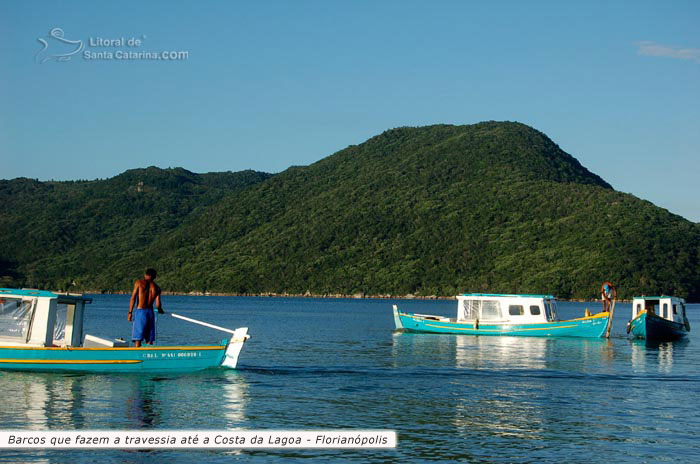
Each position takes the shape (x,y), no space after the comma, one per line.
(336,364)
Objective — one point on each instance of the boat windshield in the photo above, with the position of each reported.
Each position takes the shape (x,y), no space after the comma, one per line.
(15,317)
(59,330)
(550,308)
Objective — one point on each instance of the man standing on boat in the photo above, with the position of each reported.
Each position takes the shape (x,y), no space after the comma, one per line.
(147,293)
(607,290)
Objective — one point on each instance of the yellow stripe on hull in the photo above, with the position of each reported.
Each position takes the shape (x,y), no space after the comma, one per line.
(489,330)
(589,327)
(68,361)
(594,316)
(132,348)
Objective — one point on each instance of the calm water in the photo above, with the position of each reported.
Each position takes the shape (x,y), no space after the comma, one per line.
(317,364)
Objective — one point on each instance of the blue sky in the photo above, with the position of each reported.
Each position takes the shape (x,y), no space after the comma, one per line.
(267,85)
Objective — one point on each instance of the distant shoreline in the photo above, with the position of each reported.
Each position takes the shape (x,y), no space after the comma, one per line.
(357,296)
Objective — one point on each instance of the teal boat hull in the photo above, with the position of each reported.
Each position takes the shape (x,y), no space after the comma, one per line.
(587,327)
(106,360)
(654,328)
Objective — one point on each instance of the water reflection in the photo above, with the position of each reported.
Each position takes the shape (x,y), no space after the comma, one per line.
(234,395)
(509,388)
(37,401)
(483,352)
(143,406)
(40,401)
(410,349)
(501,352)
(654,356)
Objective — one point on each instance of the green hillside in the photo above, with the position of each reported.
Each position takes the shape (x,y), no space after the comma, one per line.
(55,233)
(492,207)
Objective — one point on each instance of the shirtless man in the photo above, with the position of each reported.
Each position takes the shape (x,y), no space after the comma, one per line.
(607,292)
(144,320)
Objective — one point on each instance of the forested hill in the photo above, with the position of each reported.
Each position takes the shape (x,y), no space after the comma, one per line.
(58,233)
(438,210)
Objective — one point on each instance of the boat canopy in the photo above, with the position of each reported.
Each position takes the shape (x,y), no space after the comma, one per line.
(509,295)
(41,318)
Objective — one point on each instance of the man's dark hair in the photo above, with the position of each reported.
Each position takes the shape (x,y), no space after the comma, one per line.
(150,272)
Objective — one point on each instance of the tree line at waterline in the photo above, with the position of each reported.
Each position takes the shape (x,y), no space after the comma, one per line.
(437,210)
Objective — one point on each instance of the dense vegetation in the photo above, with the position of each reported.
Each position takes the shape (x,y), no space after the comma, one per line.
(493,207)
(58,234)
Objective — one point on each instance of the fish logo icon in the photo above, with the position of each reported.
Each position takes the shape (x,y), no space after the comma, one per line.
(62,49)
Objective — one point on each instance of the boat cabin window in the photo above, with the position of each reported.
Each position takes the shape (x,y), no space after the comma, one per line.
(675,309)
(487,310)
(490,310)
(665,314)
(15,316)
(470,309)
(516,310)
(638,309)
(59,329)
(535,310)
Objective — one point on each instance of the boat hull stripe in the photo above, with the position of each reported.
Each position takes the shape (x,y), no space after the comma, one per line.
(69,361)
(150,348)
(501,331)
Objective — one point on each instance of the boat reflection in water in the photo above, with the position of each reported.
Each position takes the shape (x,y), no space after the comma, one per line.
(500,388)
(540,356)
(42,401)
(512,353)
(501,352)
(649,357)
(38,401)
(418,350)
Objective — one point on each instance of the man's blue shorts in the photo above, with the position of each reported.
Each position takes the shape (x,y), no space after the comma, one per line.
(144,328)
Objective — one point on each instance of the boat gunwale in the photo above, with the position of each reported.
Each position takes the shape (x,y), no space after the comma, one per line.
(600,315)
(118,348)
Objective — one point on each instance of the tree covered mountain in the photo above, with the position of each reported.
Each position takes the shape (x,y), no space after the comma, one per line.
(437,210)
(57,233)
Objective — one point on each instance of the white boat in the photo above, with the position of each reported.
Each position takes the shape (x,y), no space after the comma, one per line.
(502,314)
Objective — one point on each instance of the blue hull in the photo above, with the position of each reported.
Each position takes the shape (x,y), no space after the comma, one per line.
(145,359)
(587,327)
(653,327)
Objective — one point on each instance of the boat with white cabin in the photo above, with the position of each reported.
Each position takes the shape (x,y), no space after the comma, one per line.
(504,314)
(658,318)
(43,331)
